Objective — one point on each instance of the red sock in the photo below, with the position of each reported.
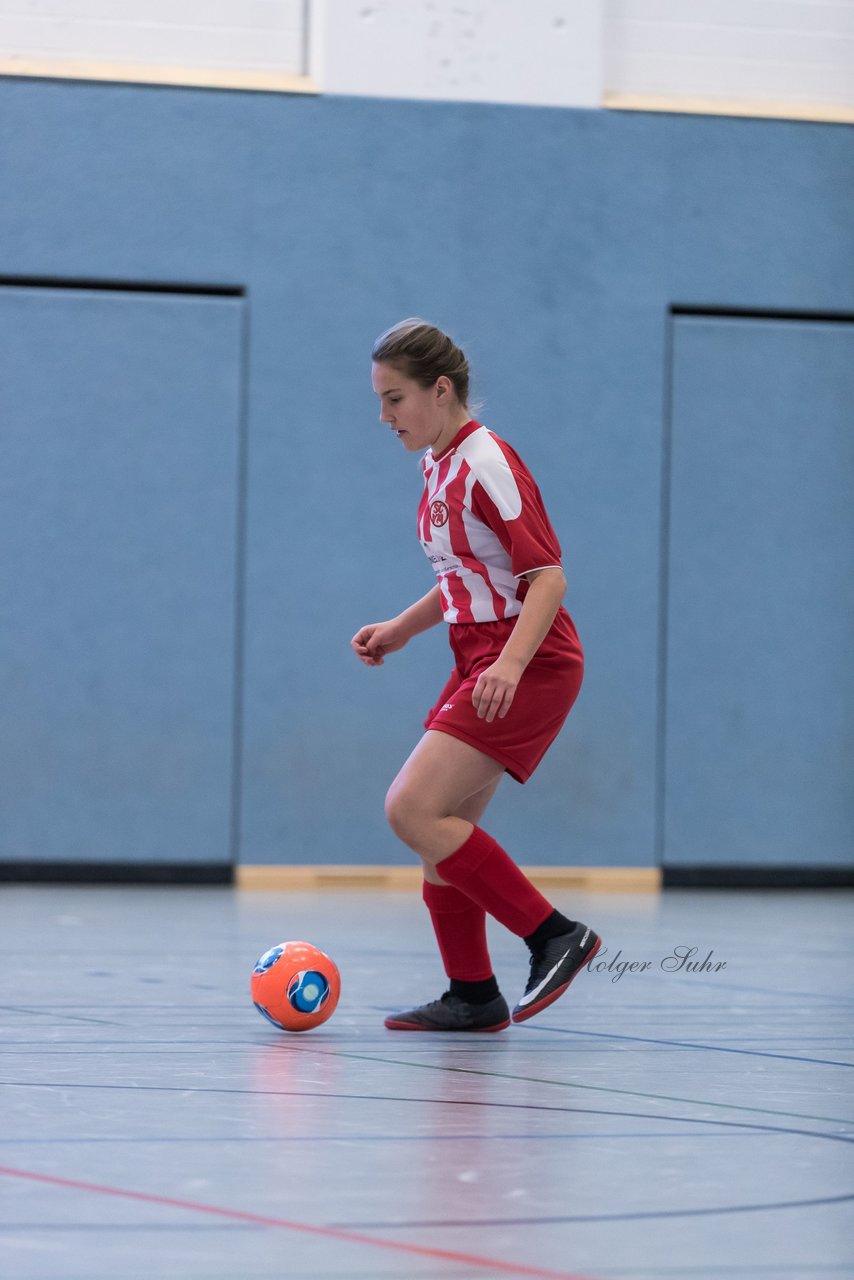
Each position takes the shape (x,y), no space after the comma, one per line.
(485,873)
(460,928)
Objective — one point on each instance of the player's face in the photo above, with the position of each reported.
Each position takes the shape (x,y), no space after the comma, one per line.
(413,412)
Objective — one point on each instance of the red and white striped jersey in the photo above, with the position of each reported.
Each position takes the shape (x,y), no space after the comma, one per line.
(483,525)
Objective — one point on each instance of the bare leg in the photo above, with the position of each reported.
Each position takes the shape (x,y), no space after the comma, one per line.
(441,776)
(471,810)
(433,806)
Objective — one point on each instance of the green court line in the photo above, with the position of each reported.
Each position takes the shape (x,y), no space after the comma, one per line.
(596,1088)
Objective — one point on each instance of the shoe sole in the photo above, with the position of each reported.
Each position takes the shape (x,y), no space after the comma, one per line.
(415,1026)
(529,1012)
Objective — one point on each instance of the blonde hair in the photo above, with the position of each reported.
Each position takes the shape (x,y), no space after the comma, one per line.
(424,353)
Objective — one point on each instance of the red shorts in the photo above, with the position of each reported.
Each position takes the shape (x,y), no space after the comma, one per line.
(542,702)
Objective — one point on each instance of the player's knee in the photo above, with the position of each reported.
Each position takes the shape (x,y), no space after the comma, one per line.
(402,814)
(396,809)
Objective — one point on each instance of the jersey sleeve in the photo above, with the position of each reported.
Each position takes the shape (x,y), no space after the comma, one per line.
(506,498)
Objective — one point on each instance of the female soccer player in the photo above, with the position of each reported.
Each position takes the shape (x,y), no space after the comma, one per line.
(518,671)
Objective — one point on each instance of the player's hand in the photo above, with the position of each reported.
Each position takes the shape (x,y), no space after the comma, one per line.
(496,688)
(373,642)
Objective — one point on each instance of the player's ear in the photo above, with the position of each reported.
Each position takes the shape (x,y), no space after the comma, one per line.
(443,387)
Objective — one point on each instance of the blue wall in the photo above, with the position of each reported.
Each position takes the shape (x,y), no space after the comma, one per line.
(759,704)
(551,243)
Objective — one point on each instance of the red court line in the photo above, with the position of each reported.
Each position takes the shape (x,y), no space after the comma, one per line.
(330,1233)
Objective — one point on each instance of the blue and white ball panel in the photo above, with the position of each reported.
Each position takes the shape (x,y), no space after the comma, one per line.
(266,1013)
(308,991)
(268,959)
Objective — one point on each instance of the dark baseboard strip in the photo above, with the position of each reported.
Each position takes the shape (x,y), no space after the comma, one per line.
(116,873)
(123,286)
(740,877)
(760,313)
(192,873)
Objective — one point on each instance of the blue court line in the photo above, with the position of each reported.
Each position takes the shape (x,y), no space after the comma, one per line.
(687,1044)
(52,1013)
(592,1217)
(433,1252)
(441,1102)
(572,1084)
(775,991)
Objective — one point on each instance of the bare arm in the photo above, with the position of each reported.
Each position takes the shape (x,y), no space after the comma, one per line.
(496,686)
(425,613)
(539,609)
(372,642)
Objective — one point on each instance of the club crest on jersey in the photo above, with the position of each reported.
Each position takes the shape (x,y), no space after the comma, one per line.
(438,513)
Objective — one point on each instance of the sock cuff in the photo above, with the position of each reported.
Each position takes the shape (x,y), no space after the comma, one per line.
(471,853)
(445,899)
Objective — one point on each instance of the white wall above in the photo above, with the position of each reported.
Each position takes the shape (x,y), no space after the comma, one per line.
(259,44)
(540,52)
(749,51)
(746,57)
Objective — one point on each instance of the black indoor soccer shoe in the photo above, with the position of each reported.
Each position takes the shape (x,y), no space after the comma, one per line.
(553,966)
(450,1013)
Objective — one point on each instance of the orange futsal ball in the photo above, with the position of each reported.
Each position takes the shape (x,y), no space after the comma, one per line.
(295,986)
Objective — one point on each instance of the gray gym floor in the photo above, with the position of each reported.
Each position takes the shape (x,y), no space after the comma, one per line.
(662,1123)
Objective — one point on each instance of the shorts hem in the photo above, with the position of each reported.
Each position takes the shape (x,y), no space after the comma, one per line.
(517,771)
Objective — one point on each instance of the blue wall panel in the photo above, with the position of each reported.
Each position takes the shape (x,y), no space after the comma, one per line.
(760,682)
(118,513)
(551,243)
